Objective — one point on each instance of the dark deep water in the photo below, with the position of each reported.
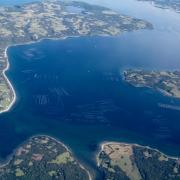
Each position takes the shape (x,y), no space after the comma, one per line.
(73,90)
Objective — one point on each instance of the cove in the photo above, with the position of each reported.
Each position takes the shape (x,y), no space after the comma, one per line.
(73,90)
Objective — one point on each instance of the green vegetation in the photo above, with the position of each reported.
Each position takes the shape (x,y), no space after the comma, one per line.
(52,19)
(156,165)
(133,162)
(5,94)
(63,158)
(43,158)
(164,82)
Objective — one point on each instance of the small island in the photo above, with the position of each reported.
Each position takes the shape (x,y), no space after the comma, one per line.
(134,162)
(165,82)
(55,19)
(43,157)
(166,4)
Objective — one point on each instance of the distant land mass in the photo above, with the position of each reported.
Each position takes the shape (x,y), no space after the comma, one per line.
(55,19)
(43,158)
(133,162)
(166,4)
(165,82)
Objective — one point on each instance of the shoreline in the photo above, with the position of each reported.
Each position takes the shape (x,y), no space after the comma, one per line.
(8,83)
(104,143)
(162,92)
(68,149)
(26,43)
(8,65)
(71,152)
(9,158)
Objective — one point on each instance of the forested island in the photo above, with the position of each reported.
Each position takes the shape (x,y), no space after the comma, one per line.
(43,158)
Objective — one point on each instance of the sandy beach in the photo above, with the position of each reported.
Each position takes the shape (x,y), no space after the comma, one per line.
(104,143)
(9,83)
(8,65)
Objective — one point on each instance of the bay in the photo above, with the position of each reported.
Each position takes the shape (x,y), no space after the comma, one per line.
(73,89)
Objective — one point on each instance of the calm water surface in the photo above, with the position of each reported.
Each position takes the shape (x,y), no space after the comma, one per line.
(73,89)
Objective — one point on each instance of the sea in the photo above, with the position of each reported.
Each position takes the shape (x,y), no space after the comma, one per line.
(73,89)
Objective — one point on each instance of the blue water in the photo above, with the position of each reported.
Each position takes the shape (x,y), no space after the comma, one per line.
(14,2)
(73,9)
(73,89)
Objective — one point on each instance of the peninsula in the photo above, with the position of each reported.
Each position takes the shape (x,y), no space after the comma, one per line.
(166,4)
(43,157)
(135,162)
(165,82)
(32,22)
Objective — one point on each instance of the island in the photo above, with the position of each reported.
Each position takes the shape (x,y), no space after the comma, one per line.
(166,4)
(43,158)
(55,19)
(165,82)
(134,162)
